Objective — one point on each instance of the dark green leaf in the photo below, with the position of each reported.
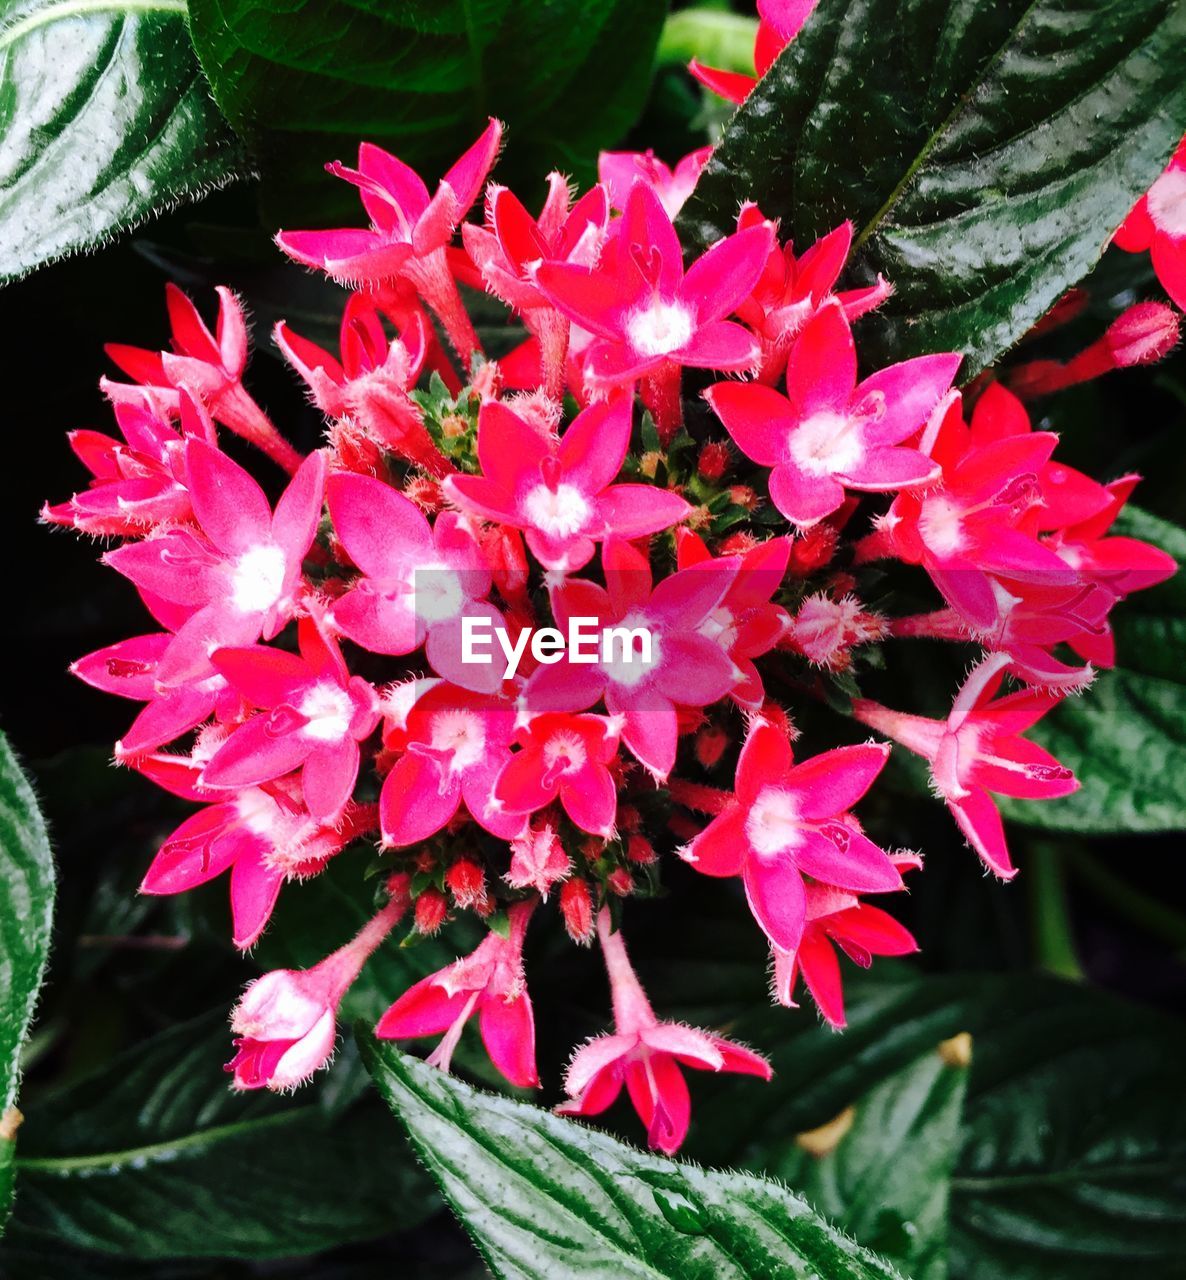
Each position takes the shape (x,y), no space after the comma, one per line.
(306,81)
(985,152)
(1072,1155)
(1125,738)
(155,1157)
(545,1196)
(888,1180)
(104,120)
(26,913)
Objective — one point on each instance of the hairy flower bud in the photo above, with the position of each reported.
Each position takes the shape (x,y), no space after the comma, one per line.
(576,907)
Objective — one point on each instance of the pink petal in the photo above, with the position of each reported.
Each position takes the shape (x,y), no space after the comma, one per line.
(469,173)
(765,760)
(1169,261)
(127,669)
(404,184)
(591,801)
(651,730)
(804,499)
(721,848)
(822,366)
(594,445)
(445,652)
(852,861)
(416,802)
(660,1096)
(693,1047)
(694,670)
(425,1009)
(721,345)
(831,783)
(377,622)
(646,230)
(508,1032)
(328,779)
(265,677)
(509,449)
(721,279)
(685,598)
(909,390)
(756,416)
(298,512)
(381,530)
(595,1057)
(777,898)
(254,890)
(199,850)
(882,469)
(980,821)
(253,754)
(821,972)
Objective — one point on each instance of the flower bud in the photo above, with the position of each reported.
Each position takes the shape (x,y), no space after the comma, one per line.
(431,908)
(1142,335)
(714,460)
(710,744)
(576,906)
(466,881)
(813,549)
(640,851)
(620,882)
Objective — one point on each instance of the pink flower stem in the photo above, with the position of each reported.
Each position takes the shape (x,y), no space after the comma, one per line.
(694,795)
(632,1009)
(551,330)
(943,624)
(236,410)
(343,966)
(435,285)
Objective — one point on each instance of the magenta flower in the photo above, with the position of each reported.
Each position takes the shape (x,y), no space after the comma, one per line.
(836,918)
(408,232)
(140,483)
(209,367)
(538,860)
(562,494)
(791,290)
(780,21)
(977,750)
(745,624)
(1158,223)
(789,820)
(647,316)
(369,386)
(262,835)
(646,1055)
(513,243)
(418,581)
(239,572)
(565,758)
(454,745)
(831,432)
(684,666)
(620,170)
(285,1023)
(489,982)
(317,713)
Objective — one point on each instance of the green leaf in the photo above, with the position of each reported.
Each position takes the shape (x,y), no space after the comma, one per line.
(1125,738)
(155,1157)
(716,37)
(1072,1147)
(307,80)
(985,152)
(545,1196)
(105,119)
(887,1182)
(26,914)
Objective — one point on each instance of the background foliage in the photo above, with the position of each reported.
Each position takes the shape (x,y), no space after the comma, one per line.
(981,1118)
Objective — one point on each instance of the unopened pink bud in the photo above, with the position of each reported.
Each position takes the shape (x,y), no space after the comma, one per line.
(1143,334)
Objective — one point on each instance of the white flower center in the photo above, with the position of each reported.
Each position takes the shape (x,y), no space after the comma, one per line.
(721,626)
(462,733)
(559,512)
(1167,203)
(565,752)
(659,329)
(941,526)
(257,580)
(772,824)
(826,444)
(327,709)
(623,659)
(257,811)
(437,592)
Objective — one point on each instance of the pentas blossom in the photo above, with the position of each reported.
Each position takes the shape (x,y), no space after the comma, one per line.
(1157,223)
(513,243)
(779,22)
(285,1023)
(418,581)
(140,483)
(979,750)
(313,715)
(303,681)
(453,744)
(408,231)
(367,390)
(561,493)
(489,982)
(792,289)
(647,316)
(838,920)
(830,433)
(238,571)
(620,170)
(786,821)
(645,1055)
(684,665)
(210,368)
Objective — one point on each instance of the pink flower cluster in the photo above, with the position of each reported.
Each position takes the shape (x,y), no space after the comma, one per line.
(305,679)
